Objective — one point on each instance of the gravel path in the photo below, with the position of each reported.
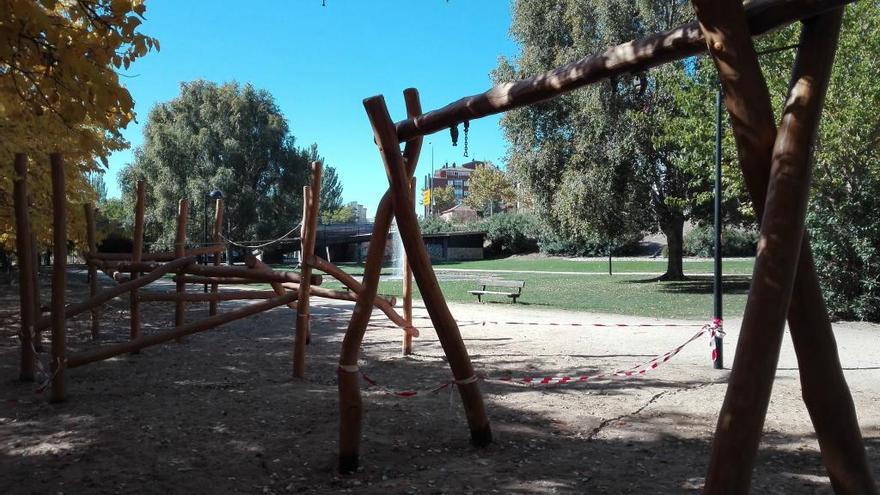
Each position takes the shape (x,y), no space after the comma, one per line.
(219,412)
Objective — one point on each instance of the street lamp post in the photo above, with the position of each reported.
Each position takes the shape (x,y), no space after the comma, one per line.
(431,183)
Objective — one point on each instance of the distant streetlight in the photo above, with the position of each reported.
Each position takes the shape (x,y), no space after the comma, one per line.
(431,183)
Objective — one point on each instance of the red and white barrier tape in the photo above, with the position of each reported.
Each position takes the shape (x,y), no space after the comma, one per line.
(712,330)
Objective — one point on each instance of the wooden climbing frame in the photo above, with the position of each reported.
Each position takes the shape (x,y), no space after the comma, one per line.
(776,168)
(135,270)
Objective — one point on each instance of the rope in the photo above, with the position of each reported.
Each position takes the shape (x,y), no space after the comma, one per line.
(258,246)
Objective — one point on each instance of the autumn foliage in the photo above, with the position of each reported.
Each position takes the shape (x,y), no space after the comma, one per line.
(60,91)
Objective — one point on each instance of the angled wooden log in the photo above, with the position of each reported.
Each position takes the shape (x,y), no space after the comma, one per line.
(825,391)
(137,249)
(252,262)
(101,354)
(782,227)
(308,236)
(633,56)
(25,259)
(59,277)
(350,404)
(386,304)
(93,269)
(218,229)
(107,294)
(435,303)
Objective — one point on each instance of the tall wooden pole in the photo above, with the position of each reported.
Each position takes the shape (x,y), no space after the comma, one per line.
(59,276)
(350,404)
(24,254)
(93,269)
(408,226)
(782,233)
(218,228)
(308,236)
(407,291)
(825,391)
(137,250)
(179,252)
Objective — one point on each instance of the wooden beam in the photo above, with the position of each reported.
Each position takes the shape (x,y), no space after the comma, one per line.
(350,403)
(112,292)
(247,273)
(25,259)
(308,235)
(209,296)
(626,58)
(740,422)
(59,277)
(101,354)
(159,256)
(408,227)
(825,391)
(196,279)
(408,289)
(252,262)
(384,303)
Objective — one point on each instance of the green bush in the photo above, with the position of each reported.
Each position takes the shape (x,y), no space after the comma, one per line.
(551,243)
(511,233)
(734,242)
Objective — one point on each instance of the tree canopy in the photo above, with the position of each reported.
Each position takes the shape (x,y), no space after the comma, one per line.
(591,158)
(60,92)
(489,188)
(227,137)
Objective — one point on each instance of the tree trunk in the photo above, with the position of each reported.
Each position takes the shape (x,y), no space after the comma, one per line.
(673,229)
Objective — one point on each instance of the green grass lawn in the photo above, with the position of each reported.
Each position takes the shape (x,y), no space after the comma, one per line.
(637,295)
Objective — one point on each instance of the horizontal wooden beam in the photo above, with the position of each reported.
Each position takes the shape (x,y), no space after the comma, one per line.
(196,279)
(630,57)
(206,296)
(107,352)
(248,273)
(158,256)
(107,294)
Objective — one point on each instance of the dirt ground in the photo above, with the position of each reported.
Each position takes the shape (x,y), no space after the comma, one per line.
(219,412)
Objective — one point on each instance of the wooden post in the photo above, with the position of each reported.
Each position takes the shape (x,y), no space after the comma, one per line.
(218,228)
(408,226)
(93,269)
(350,404)
(407,290)
(825,391)
(748,394)
(308,233)
(137,249)
(24,254)
(179,251)
(59,276)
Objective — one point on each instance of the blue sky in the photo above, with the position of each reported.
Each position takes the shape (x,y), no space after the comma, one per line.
(321,62)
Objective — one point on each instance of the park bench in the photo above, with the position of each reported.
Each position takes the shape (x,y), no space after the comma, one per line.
(509,288)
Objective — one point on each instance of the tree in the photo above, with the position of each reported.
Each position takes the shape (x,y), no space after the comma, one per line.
(331,192)
(227,137)
(444,199)
(489,189)
(96,181)
(589,157)
(344,214)
(59,91)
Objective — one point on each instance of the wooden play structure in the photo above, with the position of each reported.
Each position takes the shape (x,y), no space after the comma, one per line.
(135,270)
(776,165)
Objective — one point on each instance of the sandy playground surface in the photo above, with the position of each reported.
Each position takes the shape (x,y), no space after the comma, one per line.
(219,412)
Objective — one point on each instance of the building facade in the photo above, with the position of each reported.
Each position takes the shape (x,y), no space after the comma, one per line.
(456,176)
